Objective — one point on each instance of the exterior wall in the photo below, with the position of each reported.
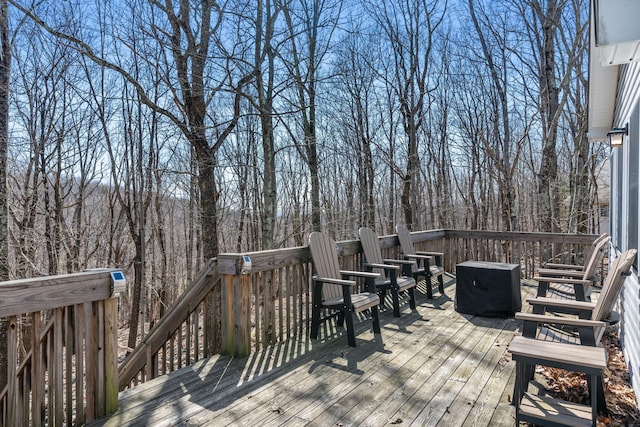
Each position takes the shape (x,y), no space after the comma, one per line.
(625,182)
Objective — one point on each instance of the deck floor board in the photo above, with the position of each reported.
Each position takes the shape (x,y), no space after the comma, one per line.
(433,366)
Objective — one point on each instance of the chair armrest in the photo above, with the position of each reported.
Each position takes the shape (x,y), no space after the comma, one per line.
(557,320)
(406,265)
(564,266)
(582,309)
(417,256)
(333,281)
(398,261)
(565,280)
(384,266)
(429,253)
(364,274)
(369,277)
(437,255)
(553,272)
(562,303)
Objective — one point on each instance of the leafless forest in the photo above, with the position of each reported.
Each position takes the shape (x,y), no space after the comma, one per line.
(154,134)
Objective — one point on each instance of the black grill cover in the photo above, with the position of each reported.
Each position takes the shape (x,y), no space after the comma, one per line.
(490,289)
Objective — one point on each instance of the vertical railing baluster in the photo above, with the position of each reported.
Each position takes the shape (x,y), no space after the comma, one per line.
(15,418)
(80,346)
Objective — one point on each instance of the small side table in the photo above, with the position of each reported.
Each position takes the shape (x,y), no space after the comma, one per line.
(545,410)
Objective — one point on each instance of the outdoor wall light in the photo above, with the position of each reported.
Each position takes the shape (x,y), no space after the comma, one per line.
(616,135)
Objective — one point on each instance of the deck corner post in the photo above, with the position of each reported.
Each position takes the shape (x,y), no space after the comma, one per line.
(236,337)
(241,308)
(227,345)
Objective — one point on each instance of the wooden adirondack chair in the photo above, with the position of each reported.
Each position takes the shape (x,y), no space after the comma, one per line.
(576,284)
(592,319)
(389,269)
(587,257)
(547,336)
(429,268)
(333,291)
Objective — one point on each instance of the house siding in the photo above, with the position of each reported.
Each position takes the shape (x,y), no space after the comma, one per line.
(625,181)
(628,93)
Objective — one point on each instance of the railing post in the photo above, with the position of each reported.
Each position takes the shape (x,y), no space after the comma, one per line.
(236,332)
(111,355)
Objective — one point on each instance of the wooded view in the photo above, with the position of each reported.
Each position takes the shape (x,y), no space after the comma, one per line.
(154,134)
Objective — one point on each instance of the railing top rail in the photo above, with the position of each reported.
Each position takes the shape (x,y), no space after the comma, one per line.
(168,324)
(231,263)
(523,236)
(45,293)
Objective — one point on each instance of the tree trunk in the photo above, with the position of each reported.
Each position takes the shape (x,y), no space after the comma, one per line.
(548,196)
(265,106)
(5,68)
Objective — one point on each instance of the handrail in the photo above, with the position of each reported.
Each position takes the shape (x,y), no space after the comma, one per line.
(49,292)
(167,326)
(62,328)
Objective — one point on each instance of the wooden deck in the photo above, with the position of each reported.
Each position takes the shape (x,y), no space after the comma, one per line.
(432,367)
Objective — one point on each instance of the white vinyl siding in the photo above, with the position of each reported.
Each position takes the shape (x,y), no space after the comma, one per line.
(625,181)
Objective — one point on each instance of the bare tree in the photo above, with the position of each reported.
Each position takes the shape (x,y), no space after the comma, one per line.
(5,69)
(409,27)
(310,25)
(502,149)
(264,57)
(574,45)
(356,84)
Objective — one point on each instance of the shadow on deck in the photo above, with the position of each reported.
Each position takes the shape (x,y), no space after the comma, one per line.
(432,366)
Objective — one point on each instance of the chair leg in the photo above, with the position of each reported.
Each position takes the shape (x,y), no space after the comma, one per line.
(412,297)
(543,287)
(520,384)
(315,322)
(340,321)
(530,372)
(351,335)
(375,320)
(599,388)
(396,302)
(579,293)
(441,284)
(427,282)
(383,297)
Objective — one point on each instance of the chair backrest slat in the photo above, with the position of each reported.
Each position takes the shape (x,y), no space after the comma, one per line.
(594,246)
(613,284)
(371,249)
(596,254)
(325,260)
(406,244)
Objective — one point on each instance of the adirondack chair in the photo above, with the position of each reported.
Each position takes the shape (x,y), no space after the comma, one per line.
(389,269)
(592,319)
(577,283)
(333,291)
(429,268)
(587,257)
(544,334)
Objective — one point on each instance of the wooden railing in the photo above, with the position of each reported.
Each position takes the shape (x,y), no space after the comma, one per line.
(270,302)
(180,338)
(62,349)
(527,249)
(258,306)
